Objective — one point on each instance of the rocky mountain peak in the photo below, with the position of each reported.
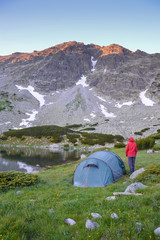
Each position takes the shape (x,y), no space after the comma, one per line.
(114,49)
(68,48)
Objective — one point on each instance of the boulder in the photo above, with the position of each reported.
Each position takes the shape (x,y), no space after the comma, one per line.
(135,186)
(136,173)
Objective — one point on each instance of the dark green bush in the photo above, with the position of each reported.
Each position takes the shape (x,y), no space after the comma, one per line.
(74,126)
(88,129)
(119,138)
(3,138)
(156,148)
(39,131)
(119,145)
(138,133)
(156,136)
(97,138)
(56,139)
(145,143)
(145,129)
(12,179)
(73,137)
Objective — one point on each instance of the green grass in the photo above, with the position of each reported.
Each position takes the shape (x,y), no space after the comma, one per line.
(26,216)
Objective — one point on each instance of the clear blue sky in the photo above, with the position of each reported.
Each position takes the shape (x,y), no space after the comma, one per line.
(28,25)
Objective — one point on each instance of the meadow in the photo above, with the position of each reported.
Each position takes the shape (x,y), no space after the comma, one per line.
(38,212)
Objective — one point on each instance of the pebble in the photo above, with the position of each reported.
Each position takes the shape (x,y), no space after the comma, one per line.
(111,198)
(114,215)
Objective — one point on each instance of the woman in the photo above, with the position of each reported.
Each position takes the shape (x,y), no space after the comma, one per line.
(131,152)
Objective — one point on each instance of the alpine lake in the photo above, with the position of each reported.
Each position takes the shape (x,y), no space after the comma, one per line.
(33,160)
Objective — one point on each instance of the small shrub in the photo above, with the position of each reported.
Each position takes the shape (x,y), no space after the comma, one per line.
(156,136)
(138,133)
(119,138)
(23,138)
(145,143)
(145,129)
(12,179)
(56,139)
(119,145)
(73,137)
(74,126)
(88,129)
(3,138)
(151,173)
(156,149)
(96,138)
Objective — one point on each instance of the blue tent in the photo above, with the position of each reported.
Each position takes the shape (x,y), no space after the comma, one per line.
(99,169)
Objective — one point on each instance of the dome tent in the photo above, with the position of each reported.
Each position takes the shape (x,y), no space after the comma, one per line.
(99,169)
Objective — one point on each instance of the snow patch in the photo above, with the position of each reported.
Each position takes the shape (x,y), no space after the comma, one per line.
(86,119)
(118,105)
(102,99)
(90,89)
(32,117)
(93,64)
(82,81)
(38,96)
(105,70)
(104,111)
(5,123)
(93,115)
(146,101)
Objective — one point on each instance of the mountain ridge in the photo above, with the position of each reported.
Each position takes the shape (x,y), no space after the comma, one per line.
(81,83)
(66,46)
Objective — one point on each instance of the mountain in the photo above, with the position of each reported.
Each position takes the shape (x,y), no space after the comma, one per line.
(74,83)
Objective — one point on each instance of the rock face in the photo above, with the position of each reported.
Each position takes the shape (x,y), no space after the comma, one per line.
(73,83)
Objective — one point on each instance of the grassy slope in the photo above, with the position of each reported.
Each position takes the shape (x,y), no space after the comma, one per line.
(21,218)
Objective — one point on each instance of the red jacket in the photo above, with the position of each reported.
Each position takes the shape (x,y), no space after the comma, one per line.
(131,148)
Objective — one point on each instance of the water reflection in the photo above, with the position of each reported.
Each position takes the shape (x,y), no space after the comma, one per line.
(32,160)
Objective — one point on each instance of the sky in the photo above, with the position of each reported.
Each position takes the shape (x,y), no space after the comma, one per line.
(28,25)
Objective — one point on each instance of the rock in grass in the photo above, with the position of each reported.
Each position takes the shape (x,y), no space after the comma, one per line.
(18,192)
(91,225)
(150,151)
(70,221)
(33,200)
(96,215)
(157,231)
(51,210)
(111,198)
(114,215)
(134,186)
(136,173)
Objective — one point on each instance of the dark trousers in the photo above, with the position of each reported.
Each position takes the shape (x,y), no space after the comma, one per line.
(131,161)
